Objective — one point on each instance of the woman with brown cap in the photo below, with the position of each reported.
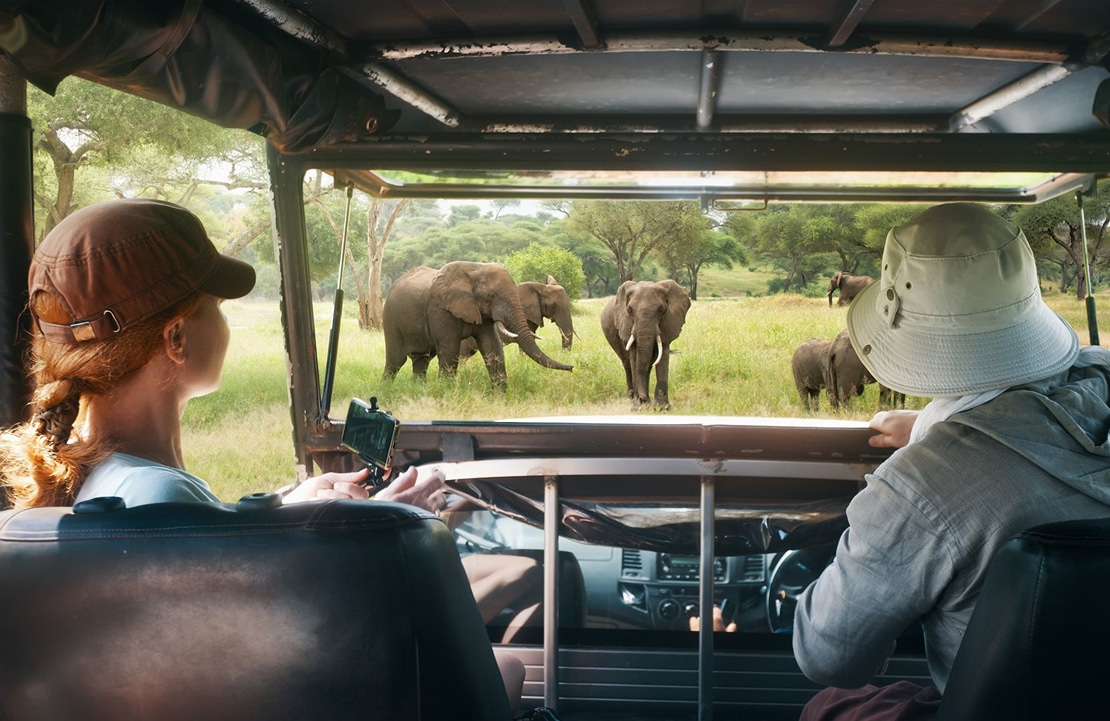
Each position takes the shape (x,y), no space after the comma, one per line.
(125,300)
(125,296)
(1015,436)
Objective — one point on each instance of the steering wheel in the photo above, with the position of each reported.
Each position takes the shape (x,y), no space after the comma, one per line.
(792,572)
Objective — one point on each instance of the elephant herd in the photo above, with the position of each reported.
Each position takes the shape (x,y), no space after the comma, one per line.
(834,365)
(467,307)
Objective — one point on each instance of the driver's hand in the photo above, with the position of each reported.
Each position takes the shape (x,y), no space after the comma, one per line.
(330,485)
(892,428)
(718,622)
(418,486)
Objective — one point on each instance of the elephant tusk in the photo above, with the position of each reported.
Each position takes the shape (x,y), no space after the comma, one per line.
(659,346)
(631,340)
(537,336)
(504,331)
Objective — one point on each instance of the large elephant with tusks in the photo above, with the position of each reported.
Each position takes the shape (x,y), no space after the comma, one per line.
(640,322)
(429,312)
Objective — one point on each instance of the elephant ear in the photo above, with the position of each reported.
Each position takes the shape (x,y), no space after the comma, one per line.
(453,290)
(678,304)
(551,280)
(532,298)
(834,283)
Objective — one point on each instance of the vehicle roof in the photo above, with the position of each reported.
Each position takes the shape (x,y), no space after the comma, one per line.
(769,88)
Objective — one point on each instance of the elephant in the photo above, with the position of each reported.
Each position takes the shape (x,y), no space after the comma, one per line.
(539,301)
(890,398)
(845,376)
(547,300)
(429,312)
(849,286)
(640,322)
(809,365)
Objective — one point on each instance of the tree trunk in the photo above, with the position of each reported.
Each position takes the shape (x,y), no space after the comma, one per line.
(375,252)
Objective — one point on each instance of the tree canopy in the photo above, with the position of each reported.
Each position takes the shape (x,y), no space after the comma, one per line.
(92,143)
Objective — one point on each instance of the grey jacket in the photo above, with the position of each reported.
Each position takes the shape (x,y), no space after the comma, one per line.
(924,529)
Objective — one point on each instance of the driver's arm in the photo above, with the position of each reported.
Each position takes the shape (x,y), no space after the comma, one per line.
(891,567)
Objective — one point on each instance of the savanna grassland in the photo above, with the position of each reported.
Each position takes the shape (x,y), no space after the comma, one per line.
(733,358)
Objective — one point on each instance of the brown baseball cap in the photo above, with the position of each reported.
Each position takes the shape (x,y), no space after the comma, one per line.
(120,262)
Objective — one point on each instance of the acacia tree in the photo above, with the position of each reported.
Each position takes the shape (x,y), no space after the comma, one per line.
(84,128)
(686,258)
(1054,233)
(790,237)
(381,219)
(633,230)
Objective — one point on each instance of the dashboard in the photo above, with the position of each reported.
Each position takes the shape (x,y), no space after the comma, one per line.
(628,588)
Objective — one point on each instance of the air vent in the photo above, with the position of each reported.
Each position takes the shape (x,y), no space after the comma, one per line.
(632,564)
(753,569)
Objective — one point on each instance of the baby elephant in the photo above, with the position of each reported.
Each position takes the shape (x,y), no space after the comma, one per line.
(846,376)
(809,366)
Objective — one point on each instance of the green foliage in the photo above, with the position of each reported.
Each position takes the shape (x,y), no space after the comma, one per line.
(537,261)
(92,143)
(1055,235)
(633,230)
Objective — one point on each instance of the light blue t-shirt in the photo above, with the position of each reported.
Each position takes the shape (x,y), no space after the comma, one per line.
(139,481)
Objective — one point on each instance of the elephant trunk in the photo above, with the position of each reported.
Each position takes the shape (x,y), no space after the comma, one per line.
(643,336)
(526,340)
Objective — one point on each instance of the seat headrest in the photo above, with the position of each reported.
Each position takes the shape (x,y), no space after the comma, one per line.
(335,609)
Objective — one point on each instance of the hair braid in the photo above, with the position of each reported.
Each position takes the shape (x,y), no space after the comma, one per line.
(42,462)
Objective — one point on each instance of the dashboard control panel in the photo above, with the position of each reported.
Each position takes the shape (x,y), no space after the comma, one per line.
(674,567)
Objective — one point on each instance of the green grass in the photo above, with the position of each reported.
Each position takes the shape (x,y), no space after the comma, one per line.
(733,358)
(718,282)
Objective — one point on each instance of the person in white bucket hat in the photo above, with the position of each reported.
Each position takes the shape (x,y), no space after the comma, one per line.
(1015,436)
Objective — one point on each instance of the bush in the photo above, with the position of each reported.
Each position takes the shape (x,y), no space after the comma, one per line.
(537,261)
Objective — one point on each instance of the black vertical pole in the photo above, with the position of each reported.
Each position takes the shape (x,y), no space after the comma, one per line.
(1092,315)
(16,241)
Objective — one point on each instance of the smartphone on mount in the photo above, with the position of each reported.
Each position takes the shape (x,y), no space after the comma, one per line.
(371,433)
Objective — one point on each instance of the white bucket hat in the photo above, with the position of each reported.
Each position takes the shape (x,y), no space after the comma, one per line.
(958,308)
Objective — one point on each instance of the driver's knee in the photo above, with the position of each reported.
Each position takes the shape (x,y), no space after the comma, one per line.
(512,674)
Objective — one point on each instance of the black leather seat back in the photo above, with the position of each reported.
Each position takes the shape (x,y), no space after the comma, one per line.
(332,610)
(1037,643)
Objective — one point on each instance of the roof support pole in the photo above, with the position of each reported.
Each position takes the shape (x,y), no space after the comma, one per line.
(708,88)
(585,22)
(16,241)
(1007,95)
(404,89)
(1092,316)
(848,23)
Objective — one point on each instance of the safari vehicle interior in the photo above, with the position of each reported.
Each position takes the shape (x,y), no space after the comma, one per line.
(733,104)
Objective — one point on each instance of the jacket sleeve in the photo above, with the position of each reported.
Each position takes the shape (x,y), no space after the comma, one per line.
(891,566)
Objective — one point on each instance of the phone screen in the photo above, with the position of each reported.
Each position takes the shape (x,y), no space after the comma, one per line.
(371,433)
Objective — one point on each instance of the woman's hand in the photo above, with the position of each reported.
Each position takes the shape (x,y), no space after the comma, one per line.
(892,428)
(331,485)
(417,486)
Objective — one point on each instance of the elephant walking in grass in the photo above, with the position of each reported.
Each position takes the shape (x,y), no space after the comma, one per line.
(848,285)
(640,322)
(845,376)
(429,312)
(810,366)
